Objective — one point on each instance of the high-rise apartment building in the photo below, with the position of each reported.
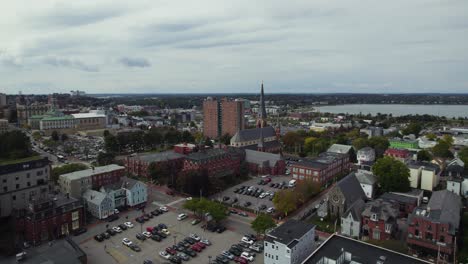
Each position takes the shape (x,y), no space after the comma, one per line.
(222,117)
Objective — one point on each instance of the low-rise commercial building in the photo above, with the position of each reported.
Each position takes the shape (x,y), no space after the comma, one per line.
(215,162)
(323,169)
(76,183)
(138,164)
(289,243)
(49,217)
(21,181)
(86,121)
(264,163)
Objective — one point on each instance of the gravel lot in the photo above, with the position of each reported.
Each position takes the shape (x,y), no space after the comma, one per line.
(113,249)
(255,201)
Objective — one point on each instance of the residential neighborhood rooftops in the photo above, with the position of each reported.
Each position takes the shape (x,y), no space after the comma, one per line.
(288,232)
(399,198)
(93,196)
(357,252)
(260,158)
(365,177)
(89,172)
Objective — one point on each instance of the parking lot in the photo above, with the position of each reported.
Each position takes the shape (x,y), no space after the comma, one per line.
(113,250)
(255,202)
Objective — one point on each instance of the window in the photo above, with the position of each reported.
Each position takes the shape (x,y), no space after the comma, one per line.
(388,228)
(29,184)
(5,189)
(75,215)
(17,186)
(442,239)
(374,217)
(276,257)
(288,251)
(4,180)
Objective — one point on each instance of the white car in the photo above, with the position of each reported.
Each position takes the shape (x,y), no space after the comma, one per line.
(194,236)
(205,241)
(247,240)
(164,254)
(166,232)
(188,198)
(247,256)
(163,208)
(116,211)
(263,195)
(126,242)
(181,217)
(128,224)
(147,234)
(117,229)
(270,210)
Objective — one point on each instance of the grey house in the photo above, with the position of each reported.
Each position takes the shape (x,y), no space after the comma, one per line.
(351,220)
(99,204)
(347,191)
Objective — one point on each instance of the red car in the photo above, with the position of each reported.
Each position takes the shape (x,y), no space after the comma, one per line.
(196,248)
(149,229)
(200,244)
(171,251)
(267,180)
(240,260)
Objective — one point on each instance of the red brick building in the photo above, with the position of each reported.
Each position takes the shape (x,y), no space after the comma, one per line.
(138,164)
(322,169)
(50,218)
(379,219)
(216,162)
(402,155)
(222,117)
(263,163)
(406,202)
(433,228)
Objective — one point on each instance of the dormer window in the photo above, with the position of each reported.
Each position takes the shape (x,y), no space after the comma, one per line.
(374,217)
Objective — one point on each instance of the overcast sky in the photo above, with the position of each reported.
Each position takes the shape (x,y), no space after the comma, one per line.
(151,46)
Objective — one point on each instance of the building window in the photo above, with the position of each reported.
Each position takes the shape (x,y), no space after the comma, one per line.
(75,215)
(276,257)
(29,184)
(17,186)
(374,217)
(5,189)
(442,239)
(14,197)
(75,224)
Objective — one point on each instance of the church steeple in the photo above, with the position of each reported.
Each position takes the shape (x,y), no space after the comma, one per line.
(262,115)
(261,142)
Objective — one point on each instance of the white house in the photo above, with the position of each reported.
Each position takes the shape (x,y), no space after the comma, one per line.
(365,155)
(368,182)
(351,220)
(137,191)
(100,205)
(289,243)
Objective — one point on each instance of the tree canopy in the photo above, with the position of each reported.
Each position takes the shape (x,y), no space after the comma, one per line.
(412,128)
(14,145)
(393,175)
(424,155)
(262,223)
(202,206)
(285,201)
(442,150)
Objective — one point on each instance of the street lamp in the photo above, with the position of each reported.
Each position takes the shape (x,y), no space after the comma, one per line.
(209,259)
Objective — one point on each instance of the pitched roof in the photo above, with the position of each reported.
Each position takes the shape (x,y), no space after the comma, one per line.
(366,150)
(206,154)
(351,189)
(365,177)
(128,183)
(266,145)
(355,209)
(261,158)
(384,209)
(253,134)
(158,156)
(94,197)
(289,232)
(401,198)
(339,148)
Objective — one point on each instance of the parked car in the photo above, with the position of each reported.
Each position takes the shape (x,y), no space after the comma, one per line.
(140,237)
(205,241)
(195,236)
(162,226)
(99,238)
(240,260)
(140,220)
(200,244)
(117,229)
(222,259)
(165,231)
(256,248)
(243,214)
(220,229)
(155,212)
(126,241)
(181,217)
(111,232)
(247,256)
(195,221)
(135,247)
(163,208)
(112,218)
(123,227)
(183,256)
(190,252)
(196,248)
(147,261)
(147,234)
(164,254)
(106,235)
(227,254)
(175,259)
(156,238)
(171,251)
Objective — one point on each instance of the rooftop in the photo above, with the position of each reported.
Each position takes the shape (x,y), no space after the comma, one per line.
(357,252)
(288,232)
(253,134)
(206,154)
(88,115)
(16,161)
(60,251)
(93,171)
(399,198)
(157,156)
(261,158)
(365,177)
(339,148)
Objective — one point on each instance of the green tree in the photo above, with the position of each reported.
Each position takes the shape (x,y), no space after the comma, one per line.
(159,171)
(360,143)
(187,137)
(262,223)
(380,144)
(111,144)
(463,155)
(201,206)
(285,201)
(431,136)
(448,139)
(14,145)
(306,189)
(442,150)
(64,137)
(424,155)
(105,158)
(36,135)
(393,175)
(68,168)
(412,128)
(225,139)
(291,140)
(55,136)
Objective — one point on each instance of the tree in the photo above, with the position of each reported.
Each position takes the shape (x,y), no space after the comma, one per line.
(424,155)
(208,142)
(225,139)
(392,174)
(448,139)
(68,168)
(14,145)
(262,223)
(187,137)
(380,144)
(360,143)
(442,150)
(291,139)
(201,206)
(36,135)
(463,155)
(413,128)
(431,136)
(306,189)
(159,172)
(285,201)
(64,137)
(105,158)
(111,144)
(54,136)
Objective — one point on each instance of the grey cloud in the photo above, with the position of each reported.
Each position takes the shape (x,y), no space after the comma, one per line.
(69,63)
(135,62)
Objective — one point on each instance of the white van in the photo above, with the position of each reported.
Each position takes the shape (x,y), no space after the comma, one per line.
(292,183)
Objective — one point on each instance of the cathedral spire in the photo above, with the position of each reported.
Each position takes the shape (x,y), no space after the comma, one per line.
(262,115)
(261,142)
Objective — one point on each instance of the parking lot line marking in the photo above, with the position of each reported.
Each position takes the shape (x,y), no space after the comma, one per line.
(117,255)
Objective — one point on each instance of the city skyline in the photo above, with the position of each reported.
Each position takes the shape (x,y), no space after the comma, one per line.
(212,47)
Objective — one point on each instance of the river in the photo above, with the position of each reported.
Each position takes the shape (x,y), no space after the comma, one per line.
(398,109)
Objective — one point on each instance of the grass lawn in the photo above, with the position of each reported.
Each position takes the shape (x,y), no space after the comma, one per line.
(326,225)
